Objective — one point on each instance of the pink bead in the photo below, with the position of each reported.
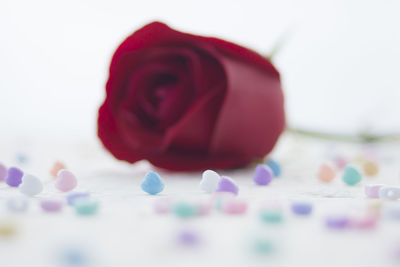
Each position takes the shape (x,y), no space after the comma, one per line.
(3,172)
(66,181)
(234,206)
(326,173)
(203,208)
(372,190)
(51,205)
(162,206)
(340,162)
(365,222)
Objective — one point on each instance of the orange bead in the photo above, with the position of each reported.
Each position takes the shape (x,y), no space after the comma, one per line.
(370,168)
(326,173)
(57,166)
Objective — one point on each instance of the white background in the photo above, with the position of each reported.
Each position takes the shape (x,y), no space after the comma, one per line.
(340,63)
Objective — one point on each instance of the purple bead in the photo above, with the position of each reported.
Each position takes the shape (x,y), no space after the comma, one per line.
(188,238)
(14,177)
(226,184)
(3,172)
(263,175)
(72,197)
(301,208)
(337,222)
(51,205)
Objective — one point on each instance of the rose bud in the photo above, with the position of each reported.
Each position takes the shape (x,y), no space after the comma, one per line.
(186,102)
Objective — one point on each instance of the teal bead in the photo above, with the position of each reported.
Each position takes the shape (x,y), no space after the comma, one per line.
(271,216)
(275,167)
(86,207)
(184,210)
(263,247)
(351,176)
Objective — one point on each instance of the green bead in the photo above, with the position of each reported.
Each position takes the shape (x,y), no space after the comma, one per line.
(271,216)
(263,247)
(351,176)
(86,207)
(184,210)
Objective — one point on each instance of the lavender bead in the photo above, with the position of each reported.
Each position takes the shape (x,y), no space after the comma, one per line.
(337,222)
(226,184)
(301,208)
(51,205)
(3,172)
(188,238)
(263,175)
(14,177)
(73,197)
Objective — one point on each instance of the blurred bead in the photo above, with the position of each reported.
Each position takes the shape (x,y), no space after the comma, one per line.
(263,175)
(188,238)
(234,206)
(363,223)
(209,181)
(66,181)
(372,190)
(86,206)
(370,168)
(226,184)
(7,228)
(3,172)
(351,176)
(337,222)
(184,210)
(57,166)
(14,177)
(30,185)
(301,208)
(73,197)
(274,166)
(326,173)
(271,216)
(203,207)
(340,162)
(389,193)
(162,205)
(51,205)
(17,204)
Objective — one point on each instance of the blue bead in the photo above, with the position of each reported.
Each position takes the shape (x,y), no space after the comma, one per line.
(152,183)
(274,166)
(351,176)
(301,208)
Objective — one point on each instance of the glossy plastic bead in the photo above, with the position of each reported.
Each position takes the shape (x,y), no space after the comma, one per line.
(326,173)
(372,190)
(57,166)
(152,183)
(86,206)
(271,216)
(14,177)
(17,204)
(364,222)
(370,168)
(226,184)
(3,172)
(337,222)
(263,247)
(219,198)
(301,208)
(66,181)
(184,210)
(389,192)
(51,206)
(351,176)
(263,175)
(274,166)
(73,197)
(209,181)
(234,206)
(30,186)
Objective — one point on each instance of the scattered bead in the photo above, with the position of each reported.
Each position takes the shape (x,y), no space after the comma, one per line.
(3,172)
(274,166)
(72,197)
(234,206)
(162,205)
(263,175)
(370,168)
(351,176)
(209,181)
(337,222)
(203,208)
(184,210)
(30,185)
(152,183)
(391,210)
(263,246)
(51,205)
(271,216)
(21,158)
(364,222)
(66,181)
(219,198)
(14,177)
(7,228)
(340,162)
(226,184)
(86,206)
(301,208)
(188,238)
(326,173)
(17,204)
(372,190)
(74,256)
(57,166)
(389,192)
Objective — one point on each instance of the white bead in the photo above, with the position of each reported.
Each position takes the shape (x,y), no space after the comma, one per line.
(30,185)
(209,181)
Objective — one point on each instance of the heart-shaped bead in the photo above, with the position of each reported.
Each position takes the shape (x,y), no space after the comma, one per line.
(66,181)
(326,173)
(31,185)
(351,176)
(152,183)
(14,177)
(263,175)
(209,181)
(226,184)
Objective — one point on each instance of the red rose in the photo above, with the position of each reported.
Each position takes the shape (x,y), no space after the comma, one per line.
(187,102)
